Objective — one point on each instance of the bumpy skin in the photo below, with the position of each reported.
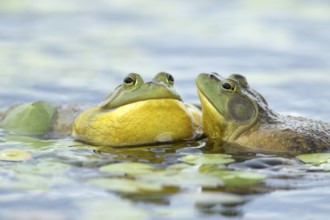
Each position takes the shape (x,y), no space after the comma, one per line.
(236,113)
(139,113)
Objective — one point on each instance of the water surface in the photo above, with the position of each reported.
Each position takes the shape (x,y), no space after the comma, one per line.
(78,51)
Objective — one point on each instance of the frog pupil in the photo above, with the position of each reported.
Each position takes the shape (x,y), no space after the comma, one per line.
(170,78)
(128,80)
(226,86)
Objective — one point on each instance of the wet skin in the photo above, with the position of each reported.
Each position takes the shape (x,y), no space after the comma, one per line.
(235,113)
(138,113)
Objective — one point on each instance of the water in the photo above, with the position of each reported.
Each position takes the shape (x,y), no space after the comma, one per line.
(78,51)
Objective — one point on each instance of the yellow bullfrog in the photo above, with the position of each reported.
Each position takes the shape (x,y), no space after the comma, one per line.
(235,113)
(138,113)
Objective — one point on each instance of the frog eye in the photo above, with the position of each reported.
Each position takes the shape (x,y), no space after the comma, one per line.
(228,86)
(129,81)
(170,79)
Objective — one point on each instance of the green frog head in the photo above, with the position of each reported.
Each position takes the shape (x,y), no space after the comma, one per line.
(229,105)
(134,89)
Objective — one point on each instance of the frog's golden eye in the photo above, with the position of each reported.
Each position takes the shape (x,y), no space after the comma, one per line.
(170,79)
(129,81)
(228,86)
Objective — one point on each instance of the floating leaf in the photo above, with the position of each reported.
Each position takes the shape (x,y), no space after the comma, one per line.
(30,118)
(28,181)
(179,166)
(208,159)
(181,179)
(325,166)
(44,167)
(33,142)
(125,185)
(127,168)
(316,158)
(95,209)
(175,212)
(233,177)
(14,155)
(207,198)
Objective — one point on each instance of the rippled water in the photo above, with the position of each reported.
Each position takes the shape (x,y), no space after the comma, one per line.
(78,51)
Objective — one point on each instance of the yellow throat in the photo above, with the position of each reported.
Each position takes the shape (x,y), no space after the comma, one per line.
(213,123)
(142,122)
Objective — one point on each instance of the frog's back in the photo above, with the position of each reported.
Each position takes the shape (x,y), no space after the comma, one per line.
(293,134)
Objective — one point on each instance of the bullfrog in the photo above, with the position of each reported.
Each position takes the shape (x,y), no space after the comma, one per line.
(139,112)
(135,113)
(237,114)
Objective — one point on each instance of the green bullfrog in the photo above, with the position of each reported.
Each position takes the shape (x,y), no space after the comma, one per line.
(135,113)
(235,113)
(139,112)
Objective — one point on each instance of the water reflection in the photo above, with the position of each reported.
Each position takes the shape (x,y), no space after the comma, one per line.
(78,51)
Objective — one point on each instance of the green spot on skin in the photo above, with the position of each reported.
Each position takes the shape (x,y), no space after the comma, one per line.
(14,155)
(29,119)
(208,159)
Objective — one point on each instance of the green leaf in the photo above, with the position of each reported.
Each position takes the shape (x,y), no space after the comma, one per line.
(44,167)
(30,141)
(208,159)
(117,209)
(125,185)
(181,179)
(209,198)
(315,159)
(127,168)
(14,155)
(325,166)
(31,118)
(28,181)
(233,177)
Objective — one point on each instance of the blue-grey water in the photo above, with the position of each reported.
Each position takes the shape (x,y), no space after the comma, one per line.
(77,51)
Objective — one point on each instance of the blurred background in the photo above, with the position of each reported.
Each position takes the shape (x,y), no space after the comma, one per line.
(77,51)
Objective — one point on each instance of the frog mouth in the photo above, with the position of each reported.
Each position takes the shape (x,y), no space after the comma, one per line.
(206,102)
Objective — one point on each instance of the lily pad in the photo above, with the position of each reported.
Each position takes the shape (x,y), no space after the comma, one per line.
(115,208)
(30,118)
(127,168)
(315,159)
(30,141)
(181,179)
(208,159)
(14,155)
(233,177)
(209,198)
(33,182)
(44,167)
(325,166)
(125,185)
